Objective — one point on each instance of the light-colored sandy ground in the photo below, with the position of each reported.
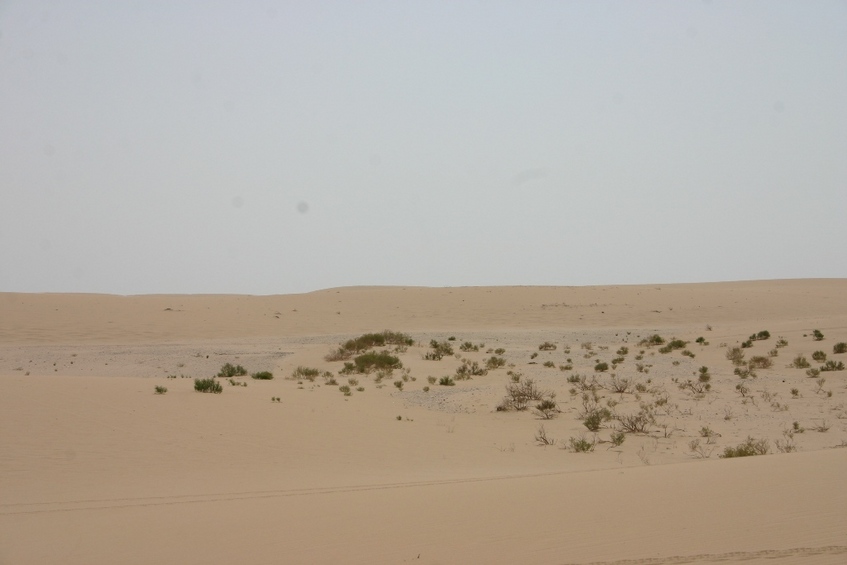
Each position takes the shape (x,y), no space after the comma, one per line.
(96,468)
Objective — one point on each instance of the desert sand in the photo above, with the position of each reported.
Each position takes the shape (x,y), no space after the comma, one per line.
(95,467)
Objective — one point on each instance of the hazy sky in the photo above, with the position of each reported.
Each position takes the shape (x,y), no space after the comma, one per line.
(277,147)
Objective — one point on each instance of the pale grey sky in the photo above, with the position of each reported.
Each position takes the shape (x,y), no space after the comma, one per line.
(277,147)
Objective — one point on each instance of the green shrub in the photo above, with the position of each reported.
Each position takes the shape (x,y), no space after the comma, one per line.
(369,341)
(673,345)
(263,375)
(230,370)
(617,438)
(439,350)
(446,381)
(547,346)
(747,448)
(601,367)
(581,445)
(372,361)
(817,335)
(762,335)
(547,408)
(345,390)
(760,362)
(623,350)
(161,389)
(549,364)
(840,347)
(469,369)
(819,356)
(468,346)
(746,344)
(208,385)
(499,351)
(833,366)
(800,362)
(519,394)
(735,355)
(654,339)
(307,373)
(494,363)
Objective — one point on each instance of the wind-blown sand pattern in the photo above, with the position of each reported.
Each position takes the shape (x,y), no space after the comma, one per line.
(96,468)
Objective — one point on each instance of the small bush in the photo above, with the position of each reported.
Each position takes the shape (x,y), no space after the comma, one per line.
(746,344)
(494,362)
(306,373)
(520,394)
(369,341)
(345,390)
(549,364)
(601,367)
(547,346)
(469,369)
(840,347)
(161,389)
(800,362)
(547,408)
(439,350)
(819,356)
(499,351)
(581,445)
(735,355)
(468,346)
(673,345)
(764,334)
(623,350)
(446,381)
(817,335)
(654,339)
(263,375)
(760,362)
(373,361)
(208,385)
(747,448)
(230,370)
(833,366)
(617,438)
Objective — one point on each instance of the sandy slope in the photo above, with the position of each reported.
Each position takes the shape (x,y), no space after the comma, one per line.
(95,468)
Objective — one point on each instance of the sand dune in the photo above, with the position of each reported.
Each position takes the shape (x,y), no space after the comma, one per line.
(96,468)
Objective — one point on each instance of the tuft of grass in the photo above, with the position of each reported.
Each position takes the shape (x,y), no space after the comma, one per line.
(208,385)
(263,376)
(230,370)
(747,448)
